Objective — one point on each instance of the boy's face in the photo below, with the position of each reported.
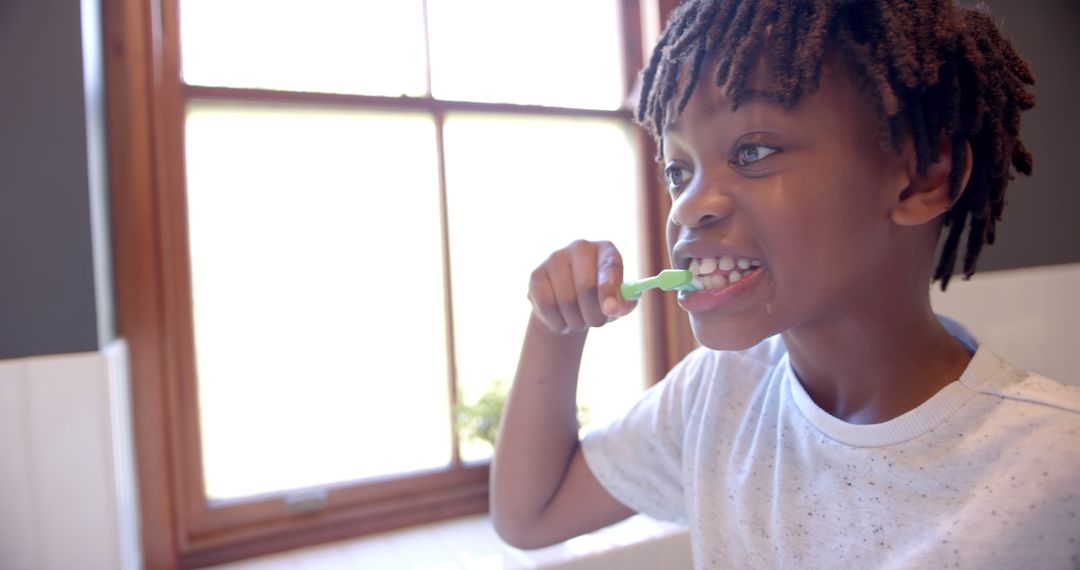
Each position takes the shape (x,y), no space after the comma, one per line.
(800,200)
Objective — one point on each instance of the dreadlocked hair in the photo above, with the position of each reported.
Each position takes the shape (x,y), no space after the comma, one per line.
(931,68)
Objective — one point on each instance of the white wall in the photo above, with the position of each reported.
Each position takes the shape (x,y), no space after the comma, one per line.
(67,488)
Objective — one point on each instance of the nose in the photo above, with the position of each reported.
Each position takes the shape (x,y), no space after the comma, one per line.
(703,202)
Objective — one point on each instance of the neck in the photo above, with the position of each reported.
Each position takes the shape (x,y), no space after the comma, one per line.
(874,364)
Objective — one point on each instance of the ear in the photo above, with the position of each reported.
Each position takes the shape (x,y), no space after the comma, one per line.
(926,196)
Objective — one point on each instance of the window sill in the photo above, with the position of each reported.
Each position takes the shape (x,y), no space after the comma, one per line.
(638,542)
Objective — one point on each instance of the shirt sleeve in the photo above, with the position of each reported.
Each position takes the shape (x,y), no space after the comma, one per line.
(638,458)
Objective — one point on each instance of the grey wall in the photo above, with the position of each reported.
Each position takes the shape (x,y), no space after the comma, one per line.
(1041,223)
(55,289)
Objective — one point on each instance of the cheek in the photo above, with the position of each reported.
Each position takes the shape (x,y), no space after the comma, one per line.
(672,238)
(821,227)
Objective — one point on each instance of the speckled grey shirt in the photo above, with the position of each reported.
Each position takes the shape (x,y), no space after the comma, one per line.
(985,474)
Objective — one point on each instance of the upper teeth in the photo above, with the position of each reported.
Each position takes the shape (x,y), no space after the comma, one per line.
(709,271)
(707,265)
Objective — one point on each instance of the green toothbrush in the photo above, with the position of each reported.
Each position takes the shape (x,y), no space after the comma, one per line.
(666,280)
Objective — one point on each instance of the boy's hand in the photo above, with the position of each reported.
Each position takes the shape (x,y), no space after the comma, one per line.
(577,287)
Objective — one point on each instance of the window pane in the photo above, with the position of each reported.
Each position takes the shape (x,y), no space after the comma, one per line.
(559,52)
(318,295)
(370,47)
(517,189)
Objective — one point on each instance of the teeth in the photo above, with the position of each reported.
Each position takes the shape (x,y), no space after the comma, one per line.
(708,265)
(718,272)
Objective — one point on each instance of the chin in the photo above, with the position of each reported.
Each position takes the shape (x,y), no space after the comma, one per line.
(728,336)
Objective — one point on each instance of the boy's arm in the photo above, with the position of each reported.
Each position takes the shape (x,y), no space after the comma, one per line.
(542,492)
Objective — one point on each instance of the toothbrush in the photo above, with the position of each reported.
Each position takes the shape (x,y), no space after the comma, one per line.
(666,280)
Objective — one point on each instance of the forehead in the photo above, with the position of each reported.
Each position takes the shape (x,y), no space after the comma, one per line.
(837,116)
(709,99)
(835,90)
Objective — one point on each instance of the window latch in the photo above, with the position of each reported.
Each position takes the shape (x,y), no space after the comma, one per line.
(306,501)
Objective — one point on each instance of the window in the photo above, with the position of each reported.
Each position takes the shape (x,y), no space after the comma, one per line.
(347,199)
(317,294)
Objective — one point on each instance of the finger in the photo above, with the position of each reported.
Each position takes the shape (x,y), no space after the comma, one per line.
(584,263)
(542,296)
(609,277)
(562,282)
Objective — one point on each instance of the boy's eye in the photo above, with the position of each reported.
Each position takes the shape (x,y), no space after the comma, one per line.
(750,153)
(676,176)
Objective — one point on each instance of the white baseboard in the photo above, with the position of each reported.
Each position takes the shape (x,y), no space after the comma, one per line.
(67,473)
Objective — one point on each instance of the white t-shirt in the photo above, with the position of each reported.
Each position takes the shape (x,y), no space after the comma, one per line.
(985,474)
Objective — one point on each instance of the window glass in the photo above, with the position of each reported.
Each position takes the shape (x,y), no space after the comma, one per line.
(318,298)
(519,188)
(368,47)
(561,53)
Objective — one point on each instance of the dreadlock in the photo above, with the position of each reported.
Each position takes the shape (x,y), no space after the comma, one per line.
(932,68)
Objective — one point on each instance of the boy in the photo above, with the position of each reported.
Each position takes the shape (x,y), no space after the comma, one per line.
(813,152)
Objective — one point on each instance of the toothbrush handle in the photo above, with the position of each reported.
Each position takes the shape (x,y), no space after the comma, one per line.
(631,291)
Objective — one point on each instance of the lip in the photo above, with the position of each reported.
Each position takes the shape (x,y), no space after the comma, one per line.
(713,299)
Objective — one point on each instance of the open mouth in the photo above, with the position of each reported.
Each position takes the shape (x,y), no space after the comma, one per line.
(719,272)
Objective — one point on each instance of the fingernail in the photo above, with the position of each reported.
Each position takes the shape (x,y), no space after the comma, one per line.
(608,306)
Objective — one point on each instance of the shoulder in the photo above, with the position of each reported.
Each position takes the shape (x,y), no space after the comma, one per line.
(1017,397)
(990,375)
(1037,415)
(1040,392)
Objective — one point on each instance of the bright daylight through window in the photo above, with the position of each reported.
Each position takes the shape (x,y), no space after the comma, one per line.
(317,227)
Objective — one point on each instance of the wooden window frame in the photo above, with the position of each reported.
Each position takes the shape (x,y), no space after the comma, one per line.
(146,102)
